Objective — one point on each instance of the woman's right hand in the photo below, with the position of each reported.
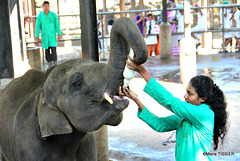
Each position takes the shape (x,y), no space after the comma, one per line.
(132,65)
(139,68)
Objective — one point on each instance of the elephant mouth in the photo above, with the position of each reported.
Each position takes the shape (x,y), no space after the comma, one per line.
(111,99)
(115,99)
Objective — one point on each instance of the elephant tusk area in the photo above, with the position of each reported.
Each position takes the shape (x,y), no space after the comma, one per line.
(108,98)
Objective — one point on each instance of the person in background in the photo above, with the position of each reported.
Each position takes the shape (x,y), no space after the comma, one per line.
(227,24)
(199,120)
(48,24)
(201,24)
(151,40)
(27,18)
(99,33)
(237,35)
(172,19)
(110,23)
(176,5)
(140,20)
(180,19)
(157,30)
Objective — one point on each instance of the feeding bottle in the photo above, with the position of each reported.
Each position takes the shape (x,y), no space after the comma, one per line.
(128,73)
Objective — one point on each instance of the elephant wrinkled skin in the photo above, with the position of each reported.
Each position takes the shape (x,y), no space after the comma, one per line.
(52,116)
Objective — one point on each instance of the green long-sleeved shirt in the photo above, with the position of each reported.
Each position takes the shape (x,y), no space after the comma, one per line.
(193,124)
(49,26)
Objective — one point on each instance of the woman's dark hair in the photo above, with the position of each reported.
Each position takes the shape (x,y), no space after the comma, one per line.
(214,97)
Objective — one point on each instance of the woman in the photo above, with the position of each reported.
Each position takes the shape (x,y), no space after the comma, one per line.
(151,40)
(197,120)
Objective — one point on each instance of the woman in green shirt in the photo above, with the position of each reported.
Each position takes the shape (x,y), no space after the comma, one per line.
(198,120)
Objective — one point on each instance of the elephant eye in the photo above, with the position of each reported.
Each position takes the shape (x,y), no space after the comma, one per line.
(76,81)
(77,84)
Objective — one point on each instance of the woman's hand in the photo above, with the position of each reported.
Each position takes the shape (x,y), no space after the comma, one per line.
(128,93)
(139,68)
(132,65)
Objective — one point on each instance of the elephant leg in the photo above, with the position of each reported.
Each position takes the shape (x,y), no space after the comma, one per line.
(87,148)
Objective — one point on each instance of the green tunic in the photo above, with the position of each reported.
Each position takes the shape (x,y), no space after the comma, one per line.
(193,124)
(49,26)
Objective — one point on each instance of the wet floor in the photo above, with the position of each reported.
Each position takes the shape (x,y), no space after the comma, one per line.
(214,66)
(223,69)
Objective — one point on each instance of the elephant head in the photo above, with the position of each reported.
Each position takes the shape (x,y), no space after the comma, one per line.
(73,93)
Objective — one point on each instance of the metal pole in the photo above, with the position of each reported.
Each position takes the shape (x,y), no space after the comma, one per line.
(164,11)
(133,5)
(141,4)
(103,40)
(223,45)
(122,6)
(105,16)
(89,29)
(58,7)
(33,2)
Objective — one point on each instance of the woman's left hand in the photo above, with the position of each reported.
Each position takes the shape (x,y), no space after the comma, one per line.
(128,93)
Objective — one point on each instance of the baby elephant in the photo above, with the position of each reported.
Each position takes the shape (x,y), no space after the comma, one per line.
(52,116)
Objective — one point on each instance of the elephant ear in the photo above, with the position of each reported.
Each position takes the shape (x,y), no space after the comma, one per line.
(51,120)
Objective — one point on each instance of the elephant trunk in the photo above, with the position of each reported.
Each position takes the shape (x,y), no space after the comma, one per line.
(125,34)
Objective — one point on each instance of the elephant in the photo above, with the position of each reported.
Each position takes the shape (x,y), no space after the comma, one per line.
(52,115)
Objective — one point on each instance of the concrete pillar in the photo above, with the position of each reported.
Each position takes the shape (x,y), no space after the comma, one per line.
(187,60)
(102,143)
(122,7)
(165,35)
(13,58)
(165,40)
(187,49)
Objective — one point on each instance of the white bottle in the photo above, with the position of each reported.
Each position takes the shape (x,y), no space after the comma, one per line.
(128,73)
